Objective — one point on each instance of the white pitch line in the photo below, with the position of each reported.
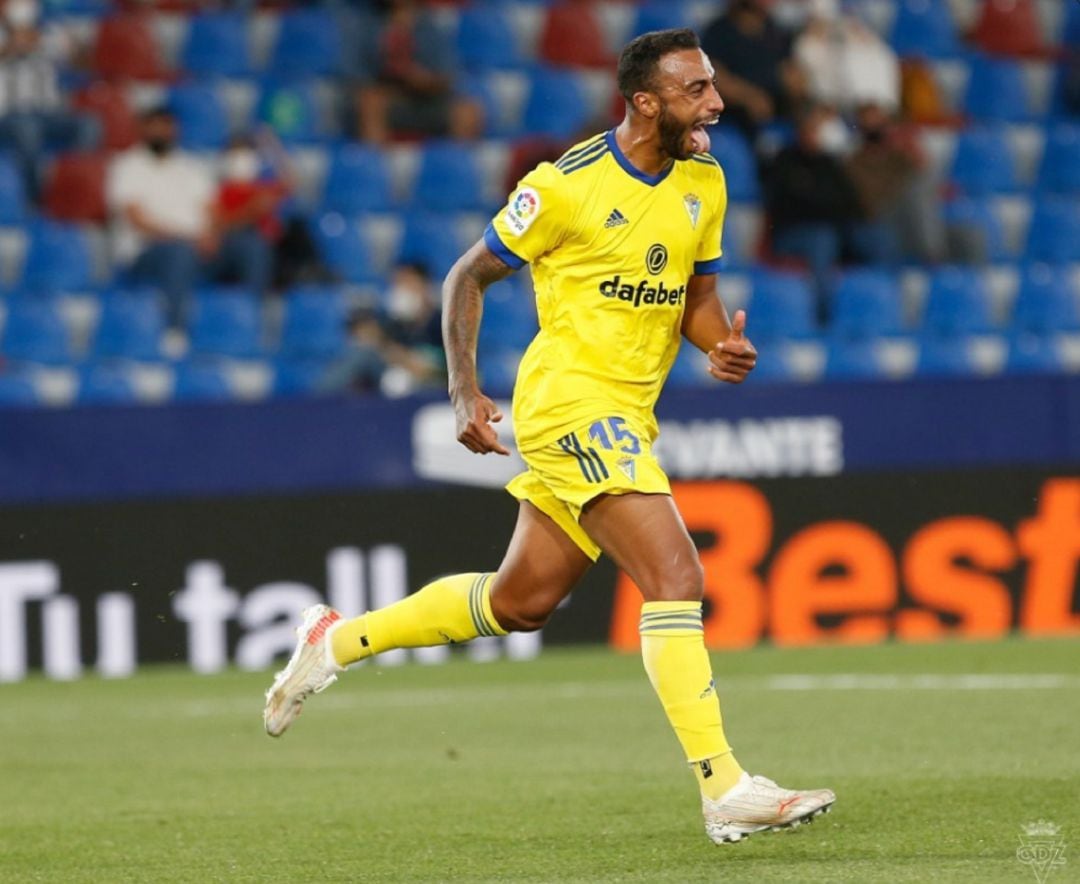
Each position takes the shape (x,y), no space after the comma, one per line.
(927,682)
(576,690)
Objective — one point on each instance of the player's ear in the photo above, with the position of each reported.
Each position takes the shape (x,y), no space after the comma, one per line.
(646,104)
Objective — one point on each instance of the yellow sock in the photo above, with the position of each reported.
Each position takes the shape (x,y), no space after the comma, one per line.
(673,649)
(452,609)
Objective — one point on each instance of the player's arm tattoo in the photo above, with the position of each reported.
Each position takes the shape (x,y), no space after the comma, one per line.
(463,305)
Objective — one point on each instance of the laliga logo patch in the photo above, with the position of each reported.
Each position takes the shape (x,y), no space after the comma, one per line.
(523,209)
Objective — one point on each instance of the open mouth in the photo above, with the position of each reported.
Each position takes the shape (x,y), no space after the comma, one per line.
(699,135)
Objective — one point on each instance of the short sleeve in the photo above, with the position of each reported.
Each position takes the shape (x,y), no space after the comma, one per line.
(534,220)
(121,183)
(710,247)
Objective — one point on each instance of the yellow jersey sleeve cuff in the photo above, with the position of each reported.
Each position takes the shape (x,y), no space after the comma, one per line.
(499,249)
(703,267)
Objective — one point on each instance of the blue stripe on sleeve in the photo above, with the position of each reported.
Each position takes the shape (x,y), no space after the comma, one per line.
(701,268)
(492,241)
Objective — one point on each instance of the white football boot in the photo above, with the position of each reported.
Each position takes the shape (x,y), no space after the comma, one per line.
(755,804)
(311,669)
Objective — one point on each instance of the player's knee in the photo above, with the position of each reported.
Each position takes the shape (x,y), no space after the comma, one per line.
(682,583)
(522,616)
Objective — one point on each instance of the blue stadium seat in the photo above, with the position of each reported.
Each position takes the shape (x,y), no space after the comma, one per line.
(217,45)
(924,28)
(343,248)
(996,91)
(57,258)
(732,151)
(12,193)
(945,357)
(131,326)
(486,40)
(1054,234)
(781,306)
(660,15)
(509,316)
(449,179)
(479,87)
(106,384)
(200,116)
(201,381)
(314,324)
(308,44)
(431,240)
(226,322)
(498,369)
(1059,171)
(1070,32)
(17,390)
(1046,301)
(978,214)
(690,368)
(1033,354)
(983,163)
(854,360)
(866,304)
(51,9)
(35,332)
(556,105)
(290,108)
(957,304)
(358,180)
(298,377)
(773,367)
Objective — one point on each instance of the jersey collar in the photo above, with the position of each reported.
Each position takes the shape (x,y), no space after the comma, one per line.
(629,168)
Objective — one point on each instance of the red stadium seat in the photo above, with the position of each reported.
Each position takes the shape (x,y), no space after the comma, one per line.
(76,188)
(108,102)
(126,49)
(1008,27)
(572,37)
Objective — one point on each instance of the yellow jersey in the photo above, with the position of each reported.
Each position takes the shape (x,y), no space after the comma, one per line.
(611,251)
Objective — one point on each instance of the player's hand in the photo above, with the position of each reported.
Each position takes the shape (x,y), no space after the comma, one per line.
(732,360)
(475,414)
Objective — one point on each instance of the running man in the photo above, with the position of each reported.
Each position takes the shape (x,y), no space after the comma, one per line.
(623,238)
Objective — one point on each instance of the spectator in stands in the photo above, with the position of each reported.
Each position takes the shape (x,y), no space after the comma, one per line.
(166,233)
(406,79)
(394,352)
(33,117)
(897,191)
(414,317)
(846,64)
(814,207)
(257,179)
(755,73)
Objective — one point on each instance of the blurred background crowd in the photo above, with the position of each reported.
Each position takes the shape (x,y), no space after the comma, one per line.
(241,200)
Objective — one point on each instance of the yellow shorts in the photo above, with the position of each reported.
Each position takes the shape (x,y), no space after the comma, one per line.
(607,456)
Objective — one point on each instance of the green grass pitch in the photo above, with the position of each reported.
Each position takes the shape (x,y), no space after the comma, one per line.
(561,769)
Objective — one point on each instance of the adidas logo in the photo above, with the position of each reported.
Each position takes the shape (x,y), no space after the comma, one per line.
(615,219)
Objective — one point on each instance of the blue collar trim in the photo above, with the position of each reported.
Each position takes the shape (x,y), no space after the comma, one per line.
(629,168)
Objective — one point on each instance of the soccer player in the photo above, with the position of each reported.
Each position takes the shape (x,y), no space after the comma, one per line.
(623,237)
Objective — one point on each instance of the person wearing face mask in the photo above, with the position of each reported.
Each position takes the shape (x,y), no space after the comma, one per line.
(256,182)
(33,115)
(165,230)
(813,206)
(413,315)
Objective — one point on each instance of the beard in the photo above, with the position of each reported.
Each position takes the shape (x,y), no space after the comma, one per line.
(673,135)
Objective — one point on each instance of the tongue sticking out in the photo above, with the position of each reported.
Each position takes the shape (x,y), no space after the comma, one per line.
(699,137)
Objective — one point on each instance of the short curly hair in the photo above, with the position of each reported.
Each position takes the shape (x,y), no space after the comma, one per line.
(639,58)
